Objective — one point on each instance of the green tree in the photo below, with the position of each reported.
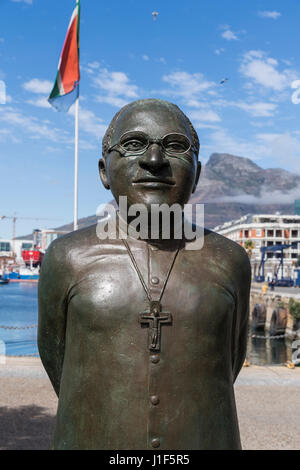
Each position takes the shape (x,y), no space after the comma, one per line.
(249,245)
(294,307)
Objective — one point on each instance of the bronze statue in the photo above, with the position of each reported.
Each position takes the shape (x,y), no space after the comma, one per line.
(143,338)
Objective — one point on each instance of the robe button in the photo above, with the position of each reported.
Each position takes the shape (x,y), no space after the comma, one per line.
(154,280)
(155,442)
(155,359)
(154,400)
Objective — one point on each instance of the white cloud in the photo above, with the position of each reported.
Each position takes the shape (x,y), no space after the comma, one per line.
(6,134)
(258,109)
(193,90)
(112,100)
(1,40)
(38,86)
(187,85)
(264,71)
(33,127)
(222,141)
(204,115)
(40,103)
(19,123)
(89,122)
(219,51)
(265,197)
(284,148)
(145,57)
(94,65)
(255,108)
(117,85)
(269,14)
(29,2)
(229,35)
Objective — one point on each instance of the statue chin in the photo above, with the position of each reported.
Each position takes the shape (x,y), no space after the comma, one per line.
(149,197)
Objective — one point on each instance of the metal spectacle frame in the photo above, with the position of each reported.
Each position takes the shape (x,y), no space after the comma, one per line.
(148,141)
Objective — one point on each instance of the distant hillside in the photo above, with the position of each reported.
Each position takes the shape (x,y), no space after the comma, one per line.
(232,186)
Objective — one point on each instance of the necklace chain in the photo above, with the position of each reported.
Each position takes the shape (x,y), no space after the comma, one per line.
(140,274)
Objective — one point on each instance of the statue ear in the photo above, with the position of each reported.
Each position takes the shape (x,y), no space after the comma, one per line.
(102,173)
(197,176)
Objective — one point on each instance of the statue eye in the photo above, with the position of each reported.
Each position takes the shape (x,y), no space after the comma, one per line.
(176,144)
(175,147)
(133,145)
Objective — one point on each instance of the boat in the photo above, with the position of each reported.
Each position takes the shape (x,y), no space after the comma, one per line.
(24,275)
(3,280)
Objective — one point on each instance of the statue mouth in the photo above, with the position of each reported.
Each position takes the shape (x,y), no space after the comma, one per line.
(152,179)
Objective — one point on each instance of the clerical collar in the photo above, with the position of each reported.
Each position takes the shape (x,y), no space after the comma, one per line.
(124,232)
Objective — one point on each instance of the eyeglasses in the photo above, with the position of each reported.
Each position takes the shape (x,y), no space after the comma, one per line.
(136,143)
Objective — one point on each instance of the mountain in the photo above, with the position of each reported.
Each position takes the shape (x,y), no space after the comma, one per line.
(232,186)
(227,175)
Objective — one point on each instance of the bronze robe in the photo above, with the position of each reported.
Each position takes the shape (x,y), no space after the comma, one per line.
(113,392)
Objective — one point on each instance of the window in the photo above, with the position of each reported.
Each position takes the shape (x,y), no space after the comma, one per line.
(278,233)
(294,233)
(5,246)
(270,233)
(258,232)
(26,246)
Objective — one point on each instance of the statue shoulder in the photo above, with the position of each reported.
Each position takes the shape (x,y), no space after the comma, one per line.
(65,249)
(230,251)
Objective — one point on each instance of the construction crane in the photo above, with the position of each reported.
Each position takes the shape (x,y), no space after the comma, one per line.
(261,270)
(14,221)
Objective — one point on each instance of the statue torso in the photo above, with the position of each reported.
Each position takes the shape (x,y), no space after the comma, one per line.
(117,394)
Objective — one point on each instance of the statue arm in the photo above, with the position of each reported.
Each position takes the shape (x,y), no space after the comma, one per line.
(52,313)
(243,271)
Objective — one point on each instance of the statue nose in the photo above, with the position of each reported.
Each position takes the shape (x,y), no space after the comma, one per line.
(154,158)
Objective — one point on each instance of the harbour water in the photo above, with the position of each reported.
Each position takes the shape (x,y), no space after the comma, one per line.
(19,311)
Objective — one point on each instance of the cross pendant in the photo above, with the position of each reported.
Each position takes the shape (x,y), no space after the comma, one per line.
(154,320)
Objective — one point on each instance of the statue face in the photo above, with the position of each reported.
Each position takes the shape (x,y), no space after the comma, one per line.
(146,166)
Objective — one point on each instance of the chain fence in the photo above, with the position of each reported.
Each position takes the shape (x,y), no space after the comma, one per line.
(293,334)
(28,327)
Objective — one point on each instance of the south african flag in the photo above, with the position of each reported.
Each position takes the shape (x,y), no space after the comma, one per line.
(66,87)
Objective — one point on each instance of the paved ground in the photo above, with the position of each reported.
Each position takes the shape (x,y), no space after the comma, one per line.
(290,291)
(268,402)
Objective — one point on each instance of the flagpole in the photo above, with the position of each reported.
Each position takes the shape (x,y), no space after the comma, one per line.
(76,164)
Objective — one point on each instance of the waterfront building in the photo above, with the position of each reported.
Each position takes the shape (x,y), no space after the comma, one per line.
(266,230)
(44,237)
(11,250)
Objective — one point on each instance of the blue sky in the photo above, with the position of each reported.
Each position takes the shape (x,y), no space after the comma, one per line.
(125,55)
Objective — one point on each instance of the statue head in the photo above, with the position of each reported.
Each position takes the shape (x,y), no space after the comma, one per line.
(150,154)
